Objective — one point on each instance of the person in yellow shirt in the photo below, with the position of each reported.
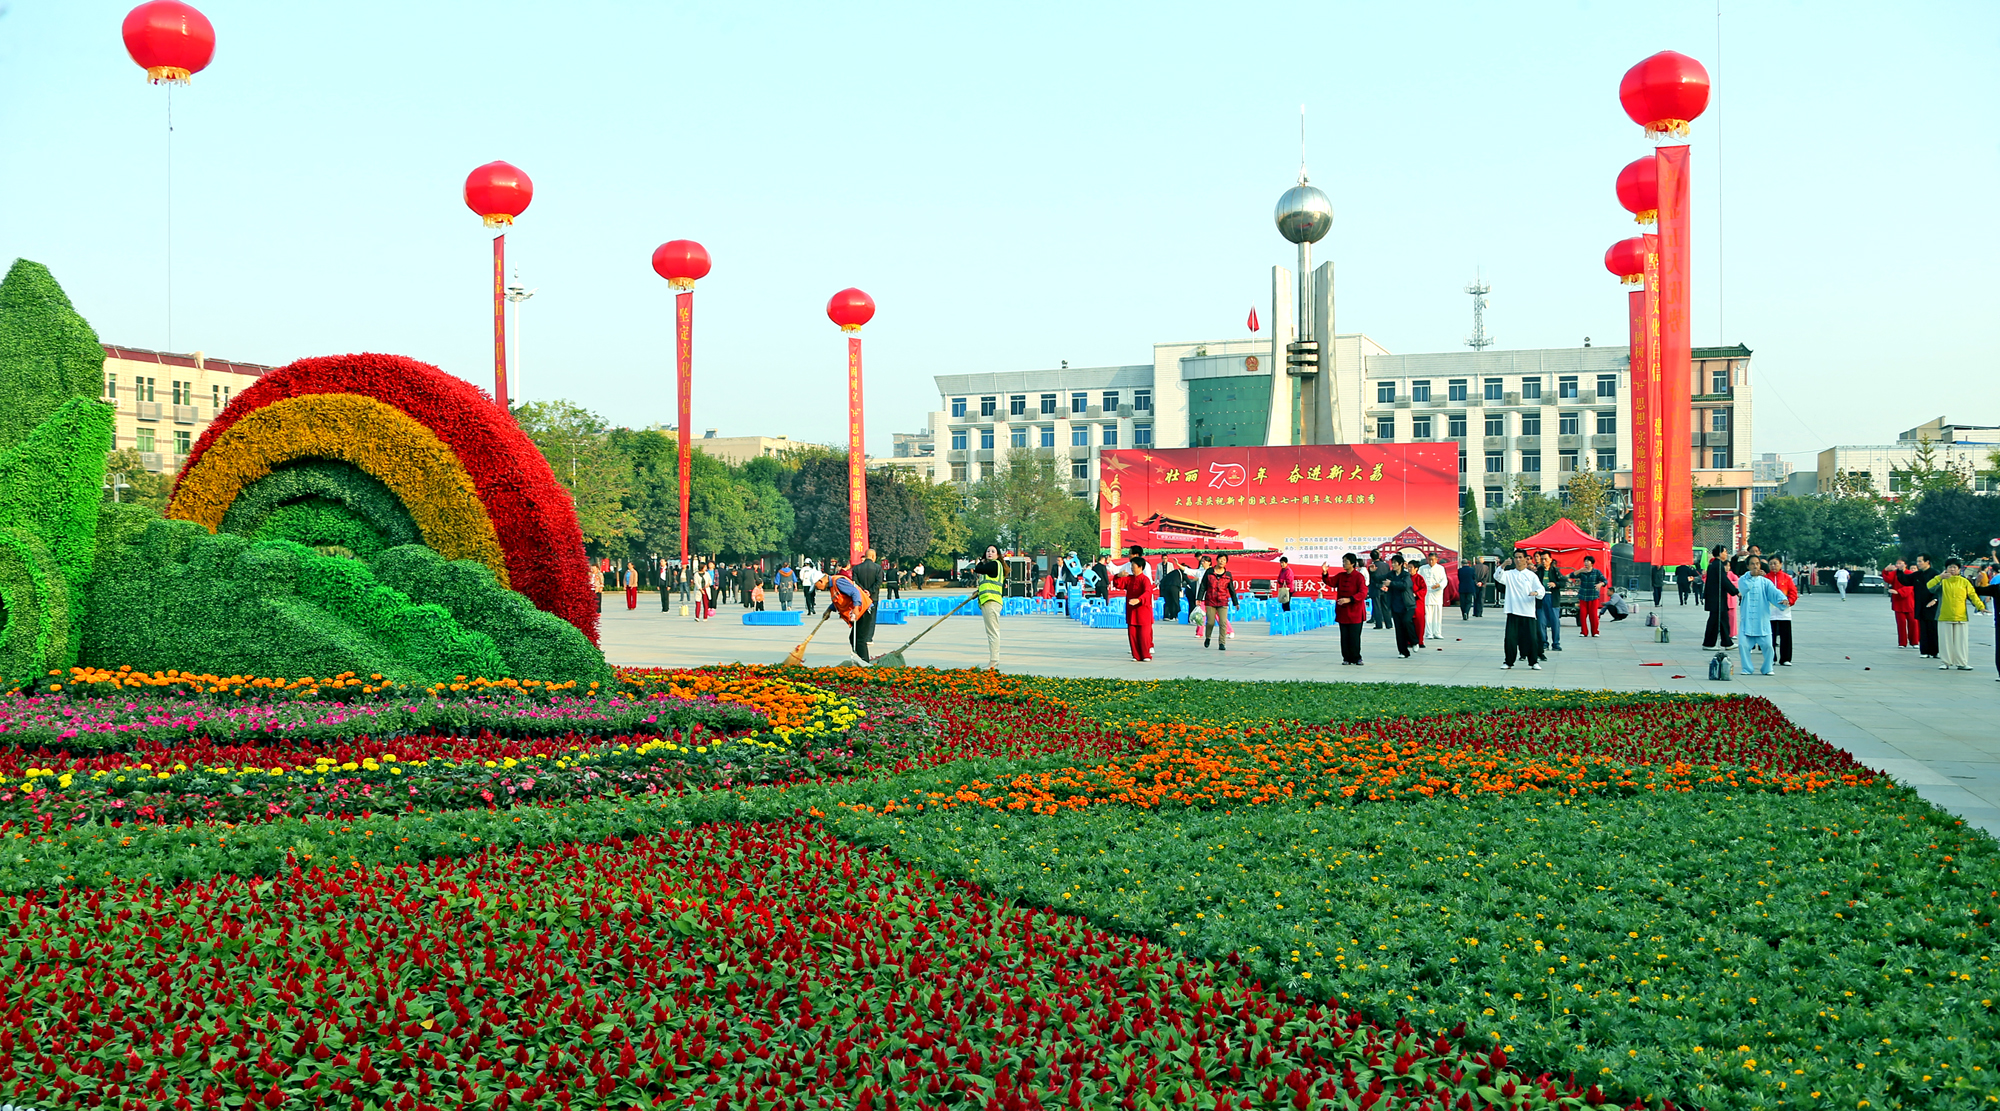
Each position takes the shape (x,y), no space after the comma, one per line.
(1953,591)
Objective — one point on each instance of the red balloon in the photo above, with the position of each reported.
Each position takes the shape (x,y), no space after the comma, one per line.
(850,308)
(1664,92)
(498,192)
(1639,189)
(681,262)
(170,39)
(1627,259)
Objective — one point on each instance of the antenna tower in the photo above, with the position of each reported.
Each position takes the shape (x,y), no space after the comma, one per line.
(1479,340)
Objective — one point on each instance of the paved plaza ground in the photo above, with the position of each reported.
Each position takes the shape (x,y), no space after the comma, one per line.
(1938,732)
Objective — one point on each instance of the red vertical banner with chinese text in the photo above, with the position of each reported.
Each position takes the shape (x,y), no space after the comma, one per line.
(1676,353)
(857,459)
(500,320)
(1644,541)
(684,383)
(1656,441)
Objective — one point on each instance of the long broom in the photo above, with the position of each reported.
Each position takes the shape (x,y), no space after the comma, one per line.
(797,657)
(895,659)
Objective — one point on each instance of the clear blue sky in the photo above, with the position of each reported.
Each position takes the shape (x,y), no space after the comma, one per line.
(1014,184)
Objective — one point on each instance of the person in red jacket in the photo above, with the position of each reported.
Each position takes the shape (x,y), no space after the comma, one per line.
(1218,593)
(1420,588)
(1902,604)
(1348,588)
(1781,622)
(1137,586)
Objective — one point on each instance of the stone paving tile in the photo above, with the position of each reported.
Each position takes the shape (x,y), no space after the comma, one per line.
(1850,685)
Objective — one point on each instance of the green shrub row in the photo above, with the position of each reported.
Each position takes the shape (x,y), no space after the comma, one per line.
(1222,701)
(531,642)
(323,502)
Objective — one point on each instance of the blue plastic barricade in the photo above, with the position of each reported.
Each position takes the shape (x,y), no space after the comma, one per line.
(774,617)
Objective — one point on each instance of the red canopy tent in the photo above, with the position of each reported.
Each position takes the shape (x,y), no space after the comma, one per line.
(1568,544)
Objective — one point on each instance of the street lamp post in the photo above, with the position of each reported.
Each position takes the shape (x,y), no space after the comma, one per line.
(516,294)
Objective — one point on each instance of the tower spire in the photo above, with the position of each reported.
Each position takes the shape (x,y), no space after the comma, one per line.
(1302,144)
(1479,340)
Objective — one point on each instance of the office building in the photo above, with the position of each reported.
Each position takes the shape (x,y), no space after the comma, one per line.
(165,401)
(1966,448)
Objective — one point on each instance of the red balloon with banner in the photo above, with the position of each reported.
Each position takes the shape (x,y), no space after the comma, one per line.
(171,40)
(498,192)
(1664,93)
(1627,260)
(851,308)
(682,262)
(1639,189)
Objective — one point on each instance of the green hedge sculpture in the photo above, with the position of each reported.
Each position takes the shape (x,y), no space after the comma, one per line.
(320,503)
(535,643)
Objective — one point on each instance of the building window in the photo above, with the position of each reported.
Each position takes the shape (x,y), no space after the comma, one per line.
(1566,462)
(183,392)
(1493,388)
(1566,386)
(142,390)
(1017,405)
(958,472)
(1385,393)
(1718,420)
(1496,499)
(111,385)
(1142,435)
(183,442)
(144,439)
(1455,426)
(986,439)
(1531,462)
(1461,467)
(988,406)
(1079,402)
(1607,423)
(958,439)
(1048,405)
(1420,390)
(1607,386)
(1566,424)
(220,396)
(1420,428)
(1718,381)
(1496,462)
(1385,428)
(1048,435)
(1142,401)
(1017,437)
(1110,438)
(1110,401)
(957,407)
(1531,389)
(1531,424)
(1454,390)
(1079,435)
(1719,458)
(1496,424)
(1607,459)
(1080,470)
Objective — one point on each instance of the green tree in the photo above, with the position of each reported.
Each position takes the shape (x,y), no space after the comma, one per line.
(577,445)
(944,508)
(1852,531)
(1025,505)
(48,353)
(1589,497)
(127,480)
(1790,527)
(1927,474)
(1526,513)
(733,512)
(1470,536)
(1949,522)
(815,482)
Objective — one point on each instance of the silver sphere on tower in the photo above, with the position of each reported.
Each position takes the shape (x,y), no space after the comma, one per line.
(1304,214)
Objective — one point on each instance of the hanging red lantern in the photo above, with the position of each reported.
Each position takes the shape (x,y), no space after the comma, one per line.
(850,308)
(498,192)
(682,262)
(1627,259)
(170,39)
(1664,92)
(1639,189)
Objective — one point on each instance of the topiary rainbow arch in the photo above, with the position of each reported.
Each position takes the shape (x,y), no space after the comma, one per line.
(357,449)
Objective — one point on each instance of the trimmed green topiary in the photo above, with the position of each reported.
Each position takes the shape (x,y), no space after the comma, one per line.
(50,486)
(323,502)
(537,645)
(48,353)
(39,635)
(170,595)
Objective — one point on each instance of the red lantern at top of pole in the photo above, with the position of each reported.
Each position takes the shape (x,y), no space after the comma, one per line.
(1627,259)
(170,39)
(850,308)
(682,262)
(498,192)
(1664,92)
(1639,189)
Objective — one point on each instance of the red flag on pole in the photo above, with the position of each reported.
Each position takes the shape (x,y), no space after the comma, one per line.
(1253,318)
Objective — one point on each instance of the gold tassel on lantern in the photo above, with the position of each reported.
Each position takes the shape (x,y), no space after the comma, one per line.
(498,220)
(168,75)
(1631,279)
(1650,216)
(1660,129)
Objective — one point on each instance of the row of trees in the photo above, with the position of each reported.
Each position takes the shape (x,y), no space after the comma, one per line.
(1937,513)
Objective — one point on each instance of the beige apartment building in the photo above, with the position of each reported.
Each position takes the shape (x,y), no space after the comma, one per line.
(165,401)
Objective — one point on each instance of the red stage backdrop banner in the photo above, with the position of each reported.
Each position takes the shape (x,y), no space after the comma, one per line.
(1676,369)
(857,460)
(684,376)
(1313,503)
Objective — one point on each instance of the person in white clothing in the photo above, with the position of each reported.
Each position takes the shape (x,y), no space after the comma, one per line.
(1840,579)
(1434,580)
(809,577)
(1524,594)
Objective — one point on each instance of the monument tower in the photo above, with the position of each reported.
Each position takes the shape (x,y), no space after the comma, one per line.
(1303,397)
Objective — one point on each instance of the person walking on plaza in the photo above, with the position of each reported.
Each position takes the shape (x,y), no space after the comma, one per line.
(1285,580)
(1759,598)
(1684,576)
(1924,603)
(1840,580)
(1523,594)
(1551,602)
(1781,617)
(757,597)
(1468,591)
(917,576)
(1398,599)
(631,578)
(809,579)
(1659,584)
(1348,588)
(1172,582)
(1435,580)
(1218,593)
(868,576)
(787,580)
(988,577)
(1716,591)
(1953,591)
(1136,585)
(1378,573)
(1589,596)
